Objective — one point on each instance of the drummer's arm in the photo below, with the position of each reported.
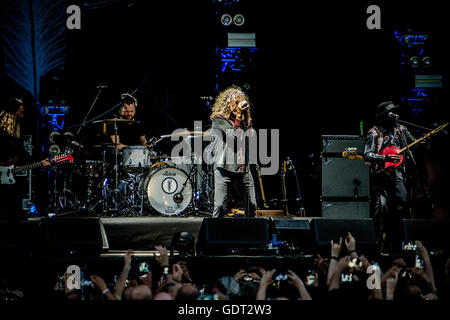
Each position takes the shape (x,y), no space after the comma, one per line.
(142,141)
(120,146)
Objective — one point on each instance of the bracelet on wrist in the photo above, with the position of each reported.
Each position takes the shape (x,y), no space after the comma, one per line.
(333,257)
(351,251)
(105,291)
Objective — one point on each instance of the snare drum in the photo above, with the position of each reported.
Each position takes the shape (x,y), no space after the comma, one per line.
(136,157)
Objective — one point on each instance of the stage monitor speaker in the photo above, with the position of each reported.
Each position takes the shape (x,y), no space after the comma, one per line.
(434,234)
(75,235)
(228,235)
(344,178)
(336,144)
(345,209)
(296,233)
(332,229)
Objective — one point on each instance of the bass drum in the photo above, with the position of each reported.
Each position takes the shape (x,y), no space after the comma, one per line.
(162,186)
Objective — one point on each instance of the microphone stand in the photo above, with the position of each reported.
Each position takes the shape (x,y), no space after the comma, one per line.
(80,144)
(89,111)
(412,124)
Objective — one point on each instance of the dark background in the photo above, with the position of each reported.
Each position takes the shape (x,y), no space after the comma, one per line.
(318,69)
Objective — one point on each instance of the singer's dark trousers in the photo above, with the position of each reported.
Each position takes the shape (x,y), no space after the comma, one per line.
(390,206)
(224,182)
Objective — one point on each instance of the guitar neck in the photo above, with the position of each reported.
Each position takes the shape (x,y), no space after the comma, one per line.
(423,138)
(27,167)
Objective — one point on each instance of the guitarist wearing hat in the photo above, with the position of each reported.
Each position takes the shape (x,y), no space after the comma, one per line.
(389,172)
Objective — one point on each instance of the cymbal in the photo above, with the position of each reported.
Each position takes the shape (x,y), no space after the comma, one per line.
(105,145)
(112,120)
(188,134)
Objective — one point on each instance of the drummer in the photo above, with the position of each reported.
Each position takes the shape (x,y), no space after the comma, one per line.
(130,134)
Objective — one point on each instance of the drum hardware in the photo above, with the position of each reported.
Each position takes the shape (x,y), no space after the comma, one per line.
(198,192)
(64,199)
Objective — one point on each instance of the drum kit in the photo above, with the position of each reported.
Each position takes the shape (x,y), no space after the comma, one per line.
(141,180)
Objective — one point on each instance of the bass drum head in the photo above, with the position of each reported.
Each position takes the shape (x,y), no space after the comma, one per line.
(163,187)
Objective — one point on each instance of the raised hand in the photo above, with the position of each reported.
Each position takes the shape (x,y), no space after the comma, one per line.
(177,272)
(267,277)
(163,258)
(294,279)
(336,248)
(128,257)
(350,242)
(343,264)
(421,250)
(238,276)
(98,282)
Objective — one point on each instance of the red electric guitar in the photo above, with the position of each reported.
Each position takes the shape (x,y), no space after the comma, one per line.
(351,153)
(8,170)
(397,151)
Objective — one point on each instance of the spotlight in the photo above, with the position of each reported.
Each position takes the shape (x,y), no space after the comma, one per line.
(54,150)
(414,62)
(239,19)
(68,150)
(426,62)
(226,19)
(54,136)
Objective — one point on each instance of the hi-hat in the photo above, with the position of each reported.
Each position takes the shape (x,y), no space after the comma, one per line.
(187,134)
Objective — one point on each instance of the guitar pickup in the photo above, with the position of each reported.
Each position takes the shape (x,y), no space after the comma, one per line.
(21,173)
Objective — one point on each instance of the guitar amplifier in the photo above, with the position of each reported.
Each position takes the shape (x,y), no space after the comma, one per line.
(336,144)
(345,209)
(344,178)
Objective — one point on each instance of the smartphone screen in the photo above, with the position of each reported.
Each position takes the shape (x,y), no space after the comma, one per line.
(419,262)
(143,268)
(281,276)
(409,246)
(346,277)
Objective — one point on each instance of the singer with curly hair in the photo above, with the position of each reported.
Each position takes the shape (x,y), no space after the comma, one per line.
(231,122)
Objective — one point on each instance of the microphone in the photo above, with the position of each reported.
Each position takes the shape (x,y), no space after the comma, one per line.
(207,98)
(243,105)
(102,87)
(178,197)
(392,115)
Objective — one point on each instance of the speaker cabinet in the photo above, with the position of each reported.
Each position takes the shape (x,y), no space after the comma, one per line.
(336,144)
(228,235)
(434,234)
(345,209)
(332,229)
(344,178)
(74,235)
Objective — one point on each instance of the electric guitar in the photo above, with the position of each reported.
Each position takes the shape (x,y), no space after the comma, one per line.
(351,153)
(8,169)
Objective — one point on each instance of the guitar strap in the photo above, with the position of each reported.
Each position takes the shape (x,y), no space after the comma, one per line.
(380,139)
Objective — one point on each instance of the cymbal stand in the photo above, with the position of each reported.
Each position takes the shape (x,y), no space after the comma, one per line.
(104,195)
(196,193)
(116,168)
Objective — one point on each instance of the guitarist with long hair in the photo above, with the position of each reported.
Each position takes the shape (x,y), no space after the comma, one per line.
(389,172)
(12,150)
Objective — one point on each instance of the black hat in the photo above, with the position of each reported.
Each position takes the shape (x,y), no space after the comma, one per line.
(384,108)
